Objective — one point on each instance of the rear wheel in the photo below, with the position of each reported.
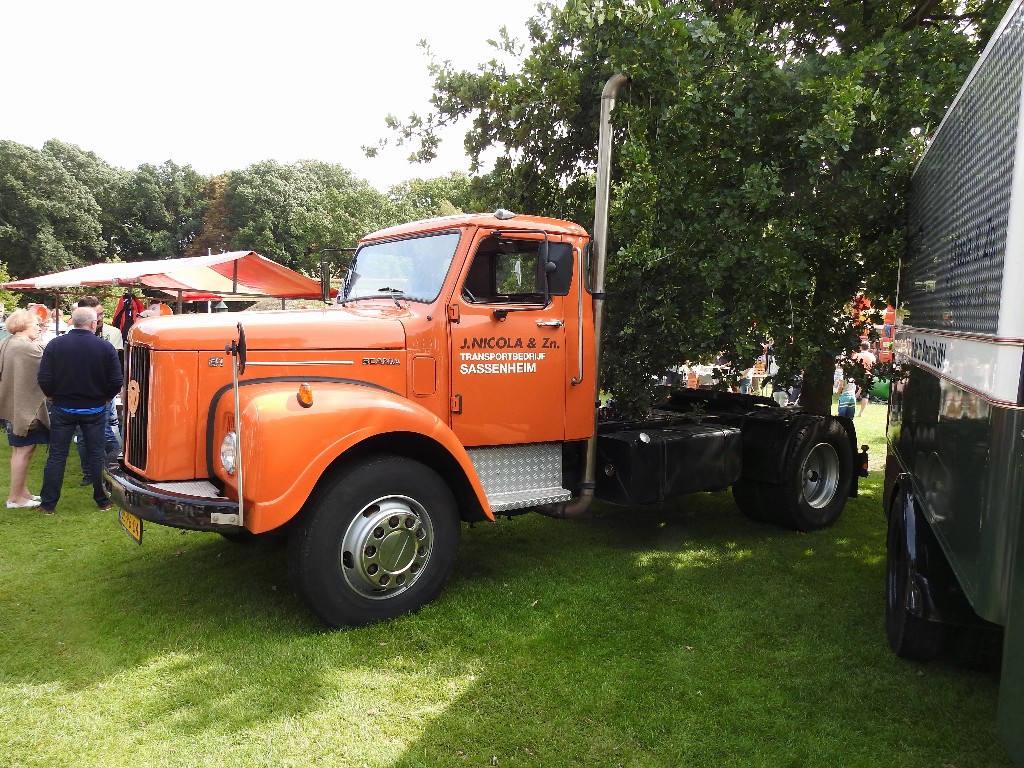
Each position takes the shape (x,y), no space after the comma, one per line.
(380,541)
(818,474)
(749,495)
(910,636)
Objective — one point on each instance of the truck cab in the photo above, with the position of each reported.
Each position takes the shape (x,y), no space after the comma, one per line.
(457,343)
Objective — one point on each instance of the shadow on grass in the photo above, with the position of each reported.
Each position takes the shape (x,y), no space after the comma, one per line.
(687,635)
(674,635)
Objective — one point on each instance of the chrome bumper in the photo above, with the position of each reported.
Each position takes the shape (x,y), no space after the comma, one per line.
(169,504)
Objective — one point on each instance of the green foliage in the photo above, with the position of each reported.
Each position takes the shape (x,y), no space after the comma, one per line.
(426,198)
(289,212)
(762,149)
(160,212)
(216,233)
(104,182)
(49,220)
(9,299)
(63,207)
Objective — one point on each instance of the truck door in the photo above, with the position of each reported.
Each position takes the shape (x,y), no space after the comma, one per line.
(507,322)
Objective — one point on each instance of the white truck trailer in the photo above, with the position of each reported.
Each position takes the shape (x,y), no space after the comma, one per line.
(954,484)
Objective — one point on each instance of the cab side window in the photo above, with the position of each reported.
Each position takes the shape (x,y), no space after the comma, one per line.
(510,271)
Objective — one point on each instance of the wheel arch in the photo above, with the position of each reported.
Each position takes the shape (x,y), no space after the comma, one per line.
(421,448)
(289,450)
(768,437)
(940,596)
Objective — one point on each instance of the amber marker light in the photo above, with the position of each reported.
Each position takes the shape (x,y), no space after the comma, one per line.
(304,395)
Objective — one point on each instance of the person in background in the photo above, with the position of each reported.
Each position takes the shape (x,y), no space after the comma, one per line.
(80,373)
(22,402)
(867,360)
(112,427)
(746,378)
(847,390)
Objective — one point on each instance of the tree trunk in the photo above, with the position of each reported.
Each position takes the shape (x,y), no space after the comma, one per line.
(816,395)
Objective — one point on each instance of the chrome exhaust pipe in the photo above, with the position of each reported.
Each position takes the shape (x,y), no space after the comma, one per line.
(581,503)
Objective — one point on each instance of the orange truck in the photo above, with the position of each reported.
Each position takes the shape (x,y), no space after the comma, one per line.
(455,379)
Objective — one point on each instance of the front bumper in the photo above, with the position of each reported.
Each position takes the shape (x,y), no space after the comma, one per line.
(191,505)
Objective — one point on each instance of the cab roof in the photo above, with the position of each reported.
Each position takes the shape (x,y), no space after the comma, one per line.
(487,220)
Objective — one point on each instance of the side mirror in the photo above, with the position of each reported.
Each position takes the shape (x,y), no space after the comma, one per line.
(325,281)
(549,269)
(558,268)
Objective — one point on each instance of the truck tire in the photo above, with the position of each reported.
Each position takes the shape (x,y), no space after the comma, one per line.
(378,542)
(748,495)
(818,474)
(910,636)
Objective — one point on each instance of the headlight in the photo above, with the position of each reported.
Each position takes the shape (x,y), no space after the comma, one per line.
(228,452)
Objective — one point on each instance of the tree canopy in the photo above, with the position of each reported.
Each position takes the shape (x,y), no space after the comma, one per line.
(762,149)
(49,220)
(63,207)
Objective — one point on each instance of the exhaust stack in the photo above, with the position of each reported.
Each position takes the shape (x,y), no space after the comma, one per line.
(581,503)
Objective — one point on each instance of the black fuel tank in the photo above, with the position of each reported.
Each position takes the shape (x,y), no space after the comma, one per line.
(647,466)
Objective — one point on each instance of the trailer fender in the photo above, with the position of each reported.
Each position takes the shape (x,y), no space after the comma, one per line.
(935,593)
(287,447)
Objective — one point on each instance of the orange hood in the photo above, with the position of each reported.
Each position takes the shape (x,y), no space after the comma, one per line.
(342,328)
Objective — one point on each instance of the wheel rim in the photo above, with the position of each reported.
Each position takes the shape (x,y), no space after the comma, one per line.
(820,473)
(386,547)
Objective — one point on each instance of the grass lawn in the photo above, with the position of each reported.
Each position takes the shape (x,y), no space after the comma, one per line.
(679,635)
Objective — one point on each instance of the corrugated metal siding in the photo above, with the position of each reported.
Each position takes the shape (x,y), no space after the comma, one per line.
(961,199)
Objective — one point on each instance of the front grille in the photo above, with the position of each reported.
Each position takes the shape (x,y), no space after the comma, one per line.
(137,418)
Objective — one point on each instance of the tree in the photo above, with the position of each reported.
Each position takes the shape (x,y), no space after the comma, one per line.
(9,299)
(215,233)
(104,182)
(426,198)
(49,220)
(290,212)
(160,212)
(762,149)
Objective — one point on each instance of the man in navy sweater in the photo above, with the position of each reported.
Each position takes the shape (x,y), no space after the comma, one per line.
(80,373)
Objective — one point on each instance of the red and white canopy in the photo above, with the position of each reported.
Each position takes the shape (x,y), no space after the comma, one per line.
(193,278)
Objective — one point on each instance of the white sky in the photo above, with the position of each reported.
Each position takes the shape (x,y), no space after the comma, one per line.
(222,84)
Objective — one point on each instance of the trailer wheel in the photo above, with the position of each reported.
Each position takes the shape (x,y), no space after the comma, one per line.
(910,636)
(748,495)
(378,542)
(818,473)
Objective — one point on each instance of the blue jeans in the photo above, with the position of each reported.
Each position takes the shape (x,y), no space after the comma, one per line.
(62,429)
(112,438)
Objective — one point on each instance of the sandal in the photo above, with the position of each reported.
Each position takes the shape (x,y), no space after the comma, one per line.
(27,505)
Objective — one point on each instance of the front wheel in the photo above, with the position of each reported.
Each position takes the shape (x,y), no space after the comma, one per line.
(380,541)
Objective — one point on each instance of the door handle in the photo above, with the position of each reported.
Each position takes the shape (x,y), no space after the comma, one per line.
(550,323)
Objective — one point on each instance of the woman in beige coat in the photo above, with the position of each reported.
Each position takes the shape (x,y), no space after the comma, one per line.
(22,403)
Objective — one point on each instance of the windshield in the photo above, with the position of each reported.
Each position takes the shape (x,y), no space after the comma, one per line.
(412,269)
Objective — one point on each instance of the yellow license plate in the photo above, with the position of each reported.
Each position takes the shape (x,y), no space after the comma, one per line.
(132,525)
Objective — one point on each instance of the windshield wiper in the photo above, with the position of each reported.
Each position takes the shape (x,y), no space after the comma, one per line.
(395,295)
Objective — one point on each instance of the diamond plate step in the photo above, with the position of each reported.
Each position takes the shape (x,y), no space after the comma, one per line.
(520,476)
